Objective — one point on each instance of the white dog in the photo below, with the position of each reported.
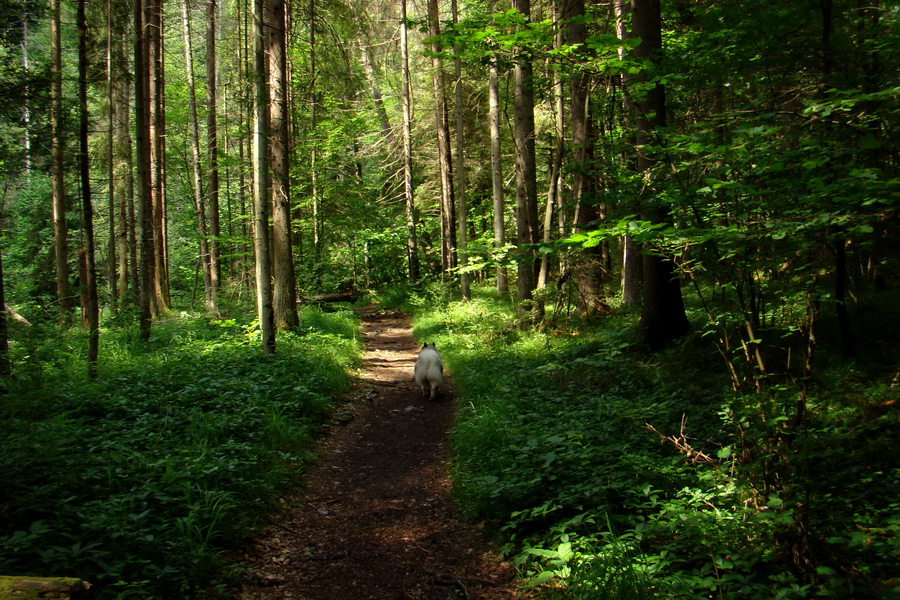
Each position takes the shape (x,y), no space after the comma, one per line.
(429,370)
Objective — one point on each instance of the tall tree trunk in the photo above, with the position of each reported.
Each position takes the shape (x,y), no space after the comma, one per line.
(662,316)
(588,265)
(92,308)
(26,109)
(632,261)
(387,132)
(554,189)
(143,158)
(197,187)
(57,170)
(497,168)
(412,246)
(261,187)
(285,290)
(111,108)
(212,145)
(159,280)
(313,125)
(448,232)
(526,172)
(461,220)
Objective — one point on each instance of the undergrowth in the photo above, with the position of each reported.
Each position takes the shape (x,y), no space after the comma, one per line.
(141,480)
(610,473)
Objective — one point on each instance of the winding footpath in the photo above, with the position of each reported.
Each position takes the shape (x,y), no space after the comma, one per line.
(375,520)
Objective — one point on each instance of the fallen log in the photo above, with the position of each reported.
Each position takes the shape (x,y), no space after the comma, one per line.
(334,297)
(46,588)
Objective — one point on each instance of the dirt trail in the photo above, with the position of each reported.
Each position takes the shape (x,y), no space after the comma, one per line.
(375,521)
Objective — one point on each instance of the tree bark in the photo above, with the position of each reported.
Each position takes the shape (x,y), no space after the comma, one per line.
(497,169)
(461,220)
(526,171)
(448,232)
(143,158)
(57,170)
(662,316)
(197,188)
(261,187)
(632,261)
(588,267)
(554,188)
(285,287)
(412,246)
(92,308)
(212,137)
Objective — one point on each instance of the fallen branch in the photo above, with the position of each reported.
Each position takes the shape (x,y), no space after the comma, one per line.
(681,444)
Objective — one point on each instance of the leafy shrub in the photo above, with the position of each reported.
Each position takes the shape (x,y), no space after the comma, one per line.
(554,446)
(140,480)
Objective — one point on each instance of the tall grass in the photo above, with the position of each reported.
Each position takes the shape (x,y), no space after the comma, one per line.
(139,481)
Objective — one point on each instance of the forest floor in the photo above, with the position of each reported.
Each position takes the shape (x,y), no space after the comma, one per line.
(374,520)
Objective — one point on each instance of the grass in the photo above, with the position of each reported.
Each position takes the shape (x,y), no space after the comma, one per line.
(139,481)
(552,446)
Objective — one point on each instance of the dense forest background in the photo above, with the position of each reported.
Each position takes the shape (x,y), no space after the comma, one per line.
(657,241)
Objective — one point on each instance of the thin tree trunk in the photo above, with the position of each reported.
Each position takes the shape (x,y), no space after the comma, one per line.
(143,158)
(197,187)
(632,261)
(448,232)
(57,170)
(111,108)
(92,308)
(554,188)
(497,168)
(461,220)
(261,187)
(526,172)
(313,124)
(212,144)
(387,132)
(412,250)
(285,290)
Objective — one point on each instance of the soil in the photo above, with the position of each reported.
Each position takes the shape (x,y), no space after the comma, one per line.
(375,520)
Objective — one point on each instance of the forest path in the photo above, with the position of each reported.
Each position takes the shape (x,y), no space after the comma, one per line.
(374,520)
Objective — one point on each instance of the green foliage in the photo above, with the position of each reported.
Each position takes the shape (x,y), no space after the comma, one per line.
(611,474)
(140,480)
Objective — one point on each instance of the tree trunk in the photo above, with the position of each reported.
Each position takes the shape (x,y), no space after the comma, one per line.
(143,158)
(632,261)
(588,266)
(197,188)
(159,297)
(90,283)
(32,588)
(112,247)
(261,187)
(497,169)
(285,290)
(448,232)
(57,167)
(526,172)
(662,316)
(462,233)
(554,189)
(412,246)
(212,137)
